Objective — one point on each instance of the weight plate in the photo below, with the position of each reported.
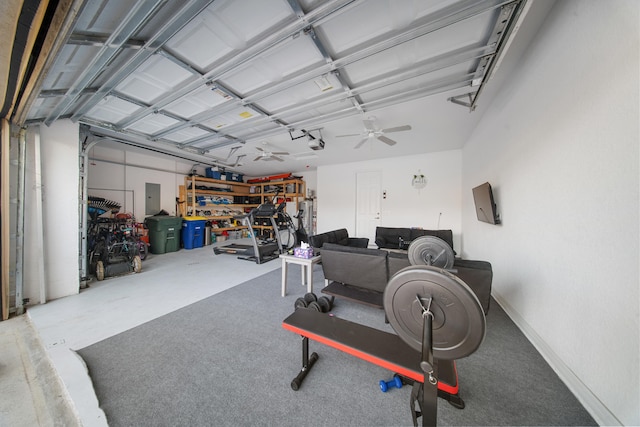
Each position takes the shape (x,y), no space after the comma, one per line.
(310,297)
(431,250)
(300,303)
(458,320)
(324,304)
(315,306)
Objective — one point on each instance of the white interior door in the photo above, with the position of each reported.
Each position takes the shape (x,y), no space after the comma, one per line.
(368,195)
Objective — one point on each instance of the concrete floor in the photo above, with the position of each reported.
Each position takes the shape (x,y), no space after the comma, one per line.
(45,382)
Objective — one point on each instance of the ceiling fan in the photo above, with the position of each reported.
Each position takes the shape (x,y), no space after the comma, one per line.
(372,131)
(267,155)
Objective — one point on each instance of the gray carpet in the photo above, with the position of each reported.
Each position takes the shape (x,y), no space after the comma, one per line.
(227,361)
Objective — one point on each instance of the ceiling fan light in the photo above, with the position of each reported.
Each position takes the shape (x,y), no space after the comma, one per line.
(315,143)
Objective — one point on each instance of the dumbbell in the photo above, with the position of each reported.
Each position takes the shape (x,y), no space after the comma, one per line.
(386,385)
(326,304)
(306,302)
(322,304)
(310,300)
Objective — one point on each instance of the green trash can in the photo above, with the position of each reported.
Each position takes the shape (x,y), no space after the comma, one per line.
(164,233)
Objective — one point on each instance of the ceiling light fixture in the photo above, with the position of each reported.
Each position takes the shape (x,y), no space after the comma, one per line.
(314,143)
(323,83)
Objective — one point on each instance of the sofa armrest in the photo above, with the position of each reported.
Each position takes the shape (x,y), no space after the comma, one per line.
(478,275)
(317,240)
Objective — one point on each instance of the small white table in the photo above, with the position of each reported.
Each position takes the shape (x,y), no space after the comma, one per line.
(307,270)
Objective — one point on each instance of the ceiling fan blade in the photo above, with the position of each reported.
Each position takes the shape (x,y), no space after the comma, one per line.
(350,134)
(397,129)
(276,158)
(368,124)
(259,149)
(386,140)
(284,153)
(257,158)
(361,142)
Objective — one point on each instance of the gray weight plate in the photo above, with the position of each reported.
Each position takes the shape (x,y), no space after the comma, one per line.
(458,320)
(431,250)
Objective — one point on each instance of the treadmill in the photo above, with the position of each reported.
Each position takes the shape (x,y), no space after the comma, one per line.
(259,251)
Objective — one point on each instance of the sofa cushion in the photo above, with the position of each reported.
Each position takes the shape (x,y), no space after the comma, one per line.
(318,240)
(389,237)
(396,262)
(362,267)
(446,235)
(340,237)
(355,250)
(358,242)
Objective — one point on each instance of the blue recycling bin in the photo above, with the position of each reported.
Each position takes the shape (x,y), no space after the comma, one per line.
(193,231)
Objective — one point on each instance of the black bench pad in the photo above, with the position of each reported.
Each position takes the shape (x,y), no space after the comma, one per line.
(381,348)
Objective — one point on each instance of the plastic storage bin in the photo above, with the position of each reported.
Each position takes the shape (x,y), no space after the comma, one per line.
(193,228)
(210,173)
(164,233)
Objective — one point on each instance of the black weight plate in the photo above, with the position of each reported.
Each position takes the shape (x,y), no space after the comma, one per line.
(324,304)
(458,320)
(300,303)
(315,306)
(310,297)
(431,250)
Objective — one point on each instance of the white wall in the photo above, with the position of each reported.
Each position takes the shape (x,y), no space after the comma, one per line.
(33,272)
(60,177)
(560,146)
(120,175)
(438,203)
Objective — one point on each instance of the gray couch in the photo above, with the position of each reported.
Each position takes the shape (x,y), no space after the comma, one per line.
(361,274)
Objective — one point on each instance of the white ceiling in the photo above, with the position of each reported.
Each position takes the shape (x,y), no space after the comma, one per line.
(214,80)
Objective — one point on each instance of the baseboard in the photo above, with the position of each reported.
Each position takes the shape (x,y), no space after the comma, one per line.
(591,403)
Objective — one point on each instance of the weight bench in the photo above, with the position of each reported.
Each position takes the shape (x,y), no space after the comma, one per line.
(381,348)
(437,318)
